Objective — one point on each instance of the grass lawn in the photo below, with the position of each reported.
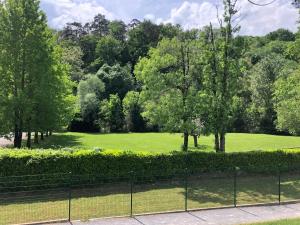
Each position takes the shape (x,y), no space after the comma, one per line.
(165,142)
(280,222)
(113,199)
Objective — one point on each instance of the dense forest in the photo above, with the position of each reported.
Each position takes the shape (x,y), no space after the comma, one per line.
(109,76)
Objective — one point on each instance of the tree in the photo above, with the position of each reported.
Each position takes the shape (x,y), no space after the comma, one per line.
(169,92)
(73,31)
(117,29)
(54,103)
(287,97)
(169,30)
(111,113)
(90,94)
(281,35)
(222,72)
(99,26)
(262,78)
(132,110)
(117,80)
(141,38)
(72,55)
(88,45)
(108,51)
(28,62)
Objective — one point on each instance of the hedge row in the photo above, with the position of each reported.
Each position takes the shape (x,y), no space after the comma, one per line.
(114,163)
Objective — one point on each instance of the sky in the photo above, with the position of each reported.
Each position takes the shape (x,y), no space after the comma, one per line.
(254,20)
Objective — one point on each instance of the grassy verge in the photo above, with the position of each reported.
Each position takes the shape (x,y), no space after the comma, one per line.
(165,142)
(150,197)
(280,222)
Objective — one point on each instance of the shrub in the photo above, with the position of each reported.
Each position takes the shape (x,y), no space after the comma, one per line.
(110,163)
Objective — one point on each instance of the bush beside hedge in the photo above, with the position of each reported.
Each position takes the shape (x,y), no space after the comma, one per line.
(115,163)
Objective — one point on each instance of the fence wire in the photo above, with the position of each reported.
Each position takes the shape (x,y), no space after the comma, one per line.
(52,197)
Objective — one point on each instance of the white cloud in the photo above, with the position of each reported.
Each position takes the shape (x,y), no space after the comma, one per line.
(254,20)
(75,10)
(191,15)
(149,17)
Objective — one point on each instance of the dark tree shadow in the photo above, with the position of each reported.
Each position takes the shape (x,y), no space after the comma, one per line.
(200,148)
(58,141)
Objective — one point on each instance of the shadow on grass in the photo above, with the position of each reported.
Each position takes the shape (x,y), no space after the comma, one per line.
(200,148)
(58,141)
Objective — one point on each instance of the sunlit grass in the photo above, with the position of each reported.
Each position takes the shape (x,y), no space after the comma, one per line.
(280,222)
(165,142)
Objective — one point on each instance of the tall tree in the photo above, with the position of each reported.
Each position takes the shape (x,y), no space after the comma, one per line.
(169,89)
(27,63)
(99,26)
(222,74)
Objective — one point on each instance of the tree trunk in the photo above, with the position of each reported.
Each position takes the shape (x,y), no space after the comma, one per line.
(217,142)
(50,133)
(36,137)
(185,141)
(42,136)
(28,144)
(195,141)
(222,142)
(18,137)
(47,133)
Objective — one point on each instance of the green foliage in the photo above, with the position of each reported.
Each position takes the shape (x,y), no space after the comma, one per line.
(263,76)
(114,163)
(88,45)
(118,80)
(108,51)
(72,55)
(34,79)
(132,110)
(281,35)
(117,29)
(90,93)
(111,113)
(287,97)
(141,38)
(170,94)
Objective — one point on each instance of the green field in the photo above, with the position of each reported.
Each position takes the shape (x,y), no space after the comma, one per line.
(165,142)
(280,222)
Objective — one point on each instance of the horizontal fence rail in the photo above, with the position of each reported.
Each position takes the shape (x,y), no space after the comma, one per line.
(66,197)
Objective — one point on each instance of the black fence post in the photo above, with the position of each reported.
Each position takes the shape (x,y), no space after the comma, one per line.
(131,192)
(70,196)
(235,187)
(186,189)
(279,187)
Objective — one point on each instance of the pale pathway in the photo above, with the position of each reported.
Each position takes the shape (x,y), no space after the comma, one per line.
(229,216)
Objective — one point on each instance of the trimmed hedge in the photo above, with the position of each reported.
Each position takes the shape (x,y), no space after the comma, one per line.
(114,163)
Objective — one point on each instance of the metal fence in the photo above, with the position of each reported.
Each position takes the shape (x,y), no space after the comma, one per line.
(55,197)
